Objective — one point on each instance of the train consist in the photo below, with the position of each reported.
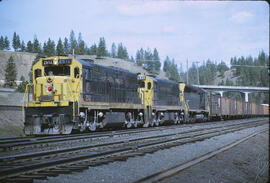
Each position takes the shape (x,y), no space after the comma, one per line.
(71,94)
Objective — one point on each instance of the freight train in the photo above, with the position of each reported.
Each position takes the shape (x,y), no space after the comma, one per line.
(71,94)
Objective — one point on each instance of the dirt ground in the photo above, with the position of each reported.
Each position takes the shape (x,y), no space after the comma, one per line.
(247,162)
(11,124)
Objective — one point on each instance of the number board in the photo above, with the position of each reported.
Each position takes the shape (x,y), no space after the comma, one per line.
(64,61)
(47,62)
(140,77)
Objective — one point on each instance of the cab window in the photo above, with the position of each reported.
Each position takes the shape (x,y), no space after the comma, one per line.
(149,85)
(141,84)
(37,73)
(76,72)
(57,71)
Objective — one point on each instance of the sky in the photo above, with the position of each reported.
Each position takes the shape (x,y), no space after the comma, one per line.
(183,30)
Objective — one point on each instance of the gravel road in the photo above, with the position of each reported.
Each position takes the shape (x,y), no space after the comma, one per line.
(138,167)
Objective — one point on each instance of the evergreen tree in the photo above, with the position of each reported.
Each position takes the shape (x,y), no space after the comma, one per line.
(140,57)
(113,51)
(222,67)
(29,47)
(166,64)
(16,41)
(132,59)
(59,48)
(36,46)
(72,43)
(21,87)
(66,46)
(10,73)
(6,41)
(49,48)
(22,46)
(149,63)
(93,50)
(156,59)
(81,45)
(2,43)
(101,50)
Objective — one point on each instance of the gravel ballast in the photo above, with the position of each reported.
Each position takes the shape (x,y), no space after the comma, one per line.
(138,167)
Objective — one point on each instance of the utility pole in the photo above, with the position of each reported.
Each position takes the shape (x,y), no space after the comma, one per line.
(187,71)
(198,81)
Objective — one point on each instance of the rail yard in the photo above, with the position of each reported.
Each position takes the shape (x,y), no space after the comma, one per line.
(35,158)
(82,117)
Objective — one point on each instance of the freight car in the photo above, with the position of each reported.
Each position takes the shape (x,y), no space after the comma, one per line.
(71,94)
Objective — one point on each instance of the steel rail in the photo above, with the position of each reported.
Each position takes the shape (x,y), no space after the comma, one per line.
(183,166)
(125,148)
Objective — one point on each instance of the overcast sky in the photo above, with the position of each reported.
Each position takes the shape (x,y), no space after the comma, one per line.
(183,30)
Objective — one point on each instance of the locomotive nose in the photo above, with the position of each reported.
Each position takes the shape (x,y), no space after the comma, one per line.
(50,88)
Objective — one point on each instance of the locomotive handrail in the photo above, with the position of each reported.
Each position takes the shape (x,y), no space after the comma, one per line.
(25,92)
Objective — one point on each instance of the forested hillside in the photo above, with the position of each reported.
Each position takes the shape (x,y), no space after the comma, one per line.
(247,71)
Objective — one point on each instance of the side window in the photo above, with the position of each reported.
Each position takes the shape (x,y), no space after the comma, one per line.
(148,85)
(37,73)
(76,72)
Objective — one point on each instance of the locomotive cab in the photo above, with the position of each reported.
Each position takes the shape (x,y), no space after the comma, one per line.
(55,93)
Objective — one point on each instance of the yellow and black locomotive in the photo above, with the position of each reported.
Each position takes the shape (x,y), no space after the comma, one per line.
(72,94)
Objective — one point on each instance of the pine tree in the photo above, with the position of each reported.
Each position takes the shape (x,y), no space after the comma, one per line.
(81,45)
(29,47)
(2,43)
(36,46)
(113,51)
(66,46)
(59,48)
(139,57)
(156,59)
(149,63)
(49,48)
(14,41)
(21,87)
(22,46)
(93,50)
(6,41)
(72,43)
(132,59)
(101,50)
(10,73)
(166,64)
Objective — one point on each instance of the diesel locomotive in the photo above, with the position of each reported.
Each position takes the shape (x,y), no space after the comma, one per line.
(75,94)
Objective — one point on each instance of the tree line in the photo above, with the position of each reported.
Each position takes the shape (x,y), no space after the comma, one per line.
(248,71)
(146,58)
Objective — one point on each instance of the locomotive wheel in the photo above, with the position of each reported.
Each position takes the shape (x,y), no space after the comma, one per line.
(135,124)
(176,119)
(92,126)
(129,125)
(146,125)
(157,122)
(129,120)
(152,122)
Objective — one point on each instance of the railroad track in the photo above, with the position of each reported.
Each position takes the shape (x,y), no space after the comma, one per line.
(29,143)
(39,165)
(159,176)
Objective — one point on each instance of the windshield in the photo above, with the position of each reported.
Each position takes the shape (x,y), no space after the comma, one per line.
(57,71)
(141,84)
